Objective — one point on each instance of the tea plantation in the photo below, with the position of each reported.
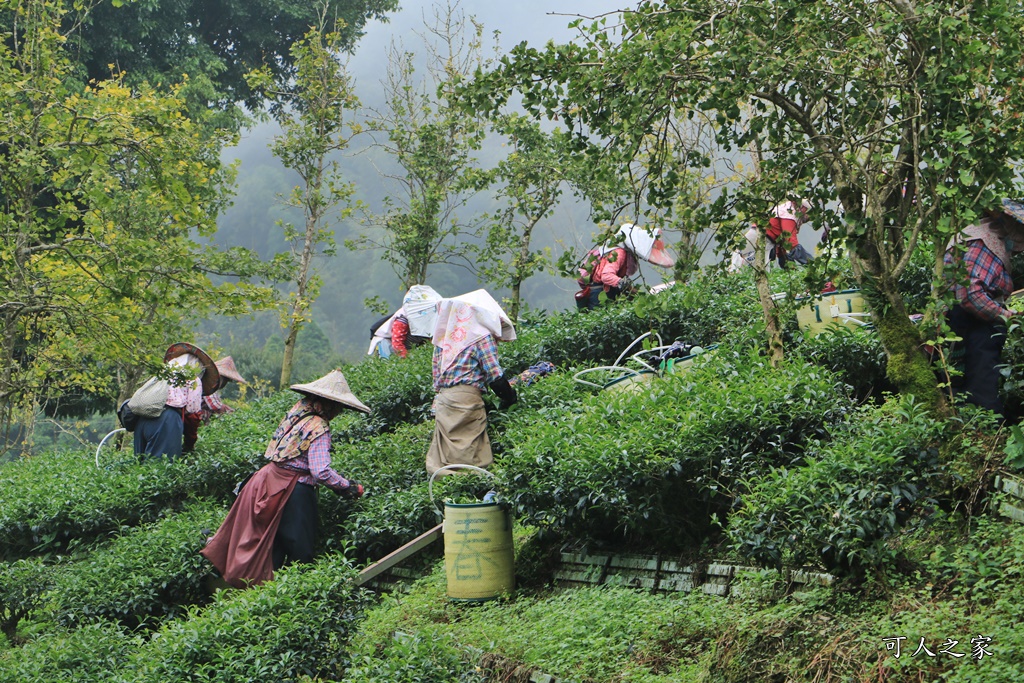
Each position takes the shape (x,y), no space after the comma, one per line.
(810,464)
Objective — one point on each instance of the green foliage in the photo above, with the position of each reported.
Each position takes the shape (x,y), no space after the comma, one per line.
(855,355)
(293,626)
(91,654)
(435,144)
(87,502)
(147,575)
(22,584)
(316,112)
(109,195)
(841,508)
(1012,370)
(416,659)
(531,178)
(658,462)
(158,43)
(592,633)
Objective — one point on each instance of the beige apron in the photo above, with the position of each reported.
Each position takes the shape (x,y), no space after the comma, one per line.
(460,429)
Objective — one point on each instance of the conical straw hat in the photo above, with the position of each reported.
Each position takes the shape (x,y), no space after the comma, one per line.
(333,387)
(227,368)
(211,375)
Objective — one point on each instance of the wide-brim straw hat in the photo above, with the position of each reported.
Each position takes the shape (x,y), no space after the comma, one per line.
(226,366)
(211,375)
(1015,231)
(333,387)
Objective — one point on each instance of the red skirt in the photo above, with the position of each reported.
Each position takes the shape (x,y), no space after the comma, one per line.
(241,550)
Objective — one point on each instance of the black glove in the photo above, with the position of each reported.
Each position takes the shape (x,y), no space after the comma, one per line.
(504,391)
(354,490)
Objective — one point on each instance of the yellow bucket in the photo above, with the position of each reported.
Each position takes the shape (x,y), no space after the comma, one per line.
(478,557)
(842,308)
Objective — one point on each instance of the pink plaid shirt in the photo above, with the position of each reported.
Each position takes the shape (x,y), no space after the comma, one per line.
(315,466)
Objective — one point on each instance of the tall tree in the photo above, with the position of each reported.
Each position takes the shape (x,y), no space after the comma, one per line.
(317,118)
(214,42)
(538,168)
(433,142)
(908,112)
(101,191)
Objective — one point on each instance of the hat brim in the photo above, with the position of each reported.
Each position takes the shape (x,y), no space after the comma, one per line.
(231,374)
(1014,209)
(347,400)
(211,374)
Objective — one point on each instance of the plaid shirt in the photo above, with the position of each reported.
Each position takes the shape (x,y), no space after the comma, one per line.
(988,282)
(316,465)
(477,366)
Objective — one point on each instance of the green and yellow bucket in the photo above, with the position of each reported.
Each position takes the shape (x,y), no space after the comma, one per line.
(844,307)
(478,553)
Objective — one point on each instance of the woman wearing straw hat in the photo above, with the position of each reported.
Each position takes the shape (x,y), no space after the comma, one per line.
(465,364)
(212,404)
(274,519)
(980,293)
(162,436)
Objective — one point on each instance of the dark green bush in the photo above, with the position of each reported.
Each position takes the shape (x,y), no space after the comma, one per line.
(856,355)
(92,654)
(842,506)
(656,464)
(22,584)
(284,630)
(150,573)
(88,502)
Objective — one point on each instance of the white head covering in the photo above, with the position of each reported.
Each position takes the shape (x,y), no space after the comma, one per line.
(420,305)
(465,319)
(641,242)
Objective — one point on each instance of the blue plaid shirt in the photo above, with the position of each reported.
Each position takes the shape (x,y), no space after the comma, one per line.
(987,282)
(477,366)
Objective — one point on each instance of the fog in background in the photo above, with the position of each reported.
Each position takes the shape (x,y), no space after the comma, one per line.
(349,277)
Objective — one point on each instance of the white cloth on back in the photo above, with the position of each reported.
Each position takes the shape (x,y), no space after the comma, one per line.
(465,319)
(420,305)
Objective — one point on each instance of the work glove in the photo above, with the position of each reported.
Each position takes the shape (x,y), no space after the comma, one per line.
(504,391)
(353,491)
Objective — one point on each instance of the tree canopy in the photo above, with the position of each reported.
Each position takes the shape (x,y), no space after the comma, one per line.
(901,119)
(102,192)
(214,42)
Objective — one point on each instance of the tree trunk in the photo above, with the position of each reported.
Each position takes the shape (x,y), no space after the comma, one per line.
(772,328)
(908,367)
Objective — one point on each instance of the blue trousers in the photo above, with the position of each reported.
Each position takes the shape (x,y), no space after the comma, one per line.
(160,437)
(983,342)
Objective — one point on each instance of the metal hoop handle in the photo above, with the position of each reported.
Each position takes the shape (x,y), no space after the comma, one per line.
(119,429)
(457,466)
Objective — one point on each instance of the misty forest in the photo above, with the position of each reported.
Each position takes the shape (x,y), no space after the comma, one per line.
(745,466)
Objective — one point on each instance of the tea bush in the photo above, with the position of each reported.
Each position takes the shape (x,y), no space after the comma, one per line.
(657,463)
(855,355)
(91,654)
(407,658)
(289,628)
(82,502)
(87,502)
(840,509)
(148,574)
(22,584)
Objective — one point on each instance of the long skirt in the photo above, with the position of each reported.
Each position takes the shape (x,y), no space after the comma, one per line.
(242,548)
(460,430)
